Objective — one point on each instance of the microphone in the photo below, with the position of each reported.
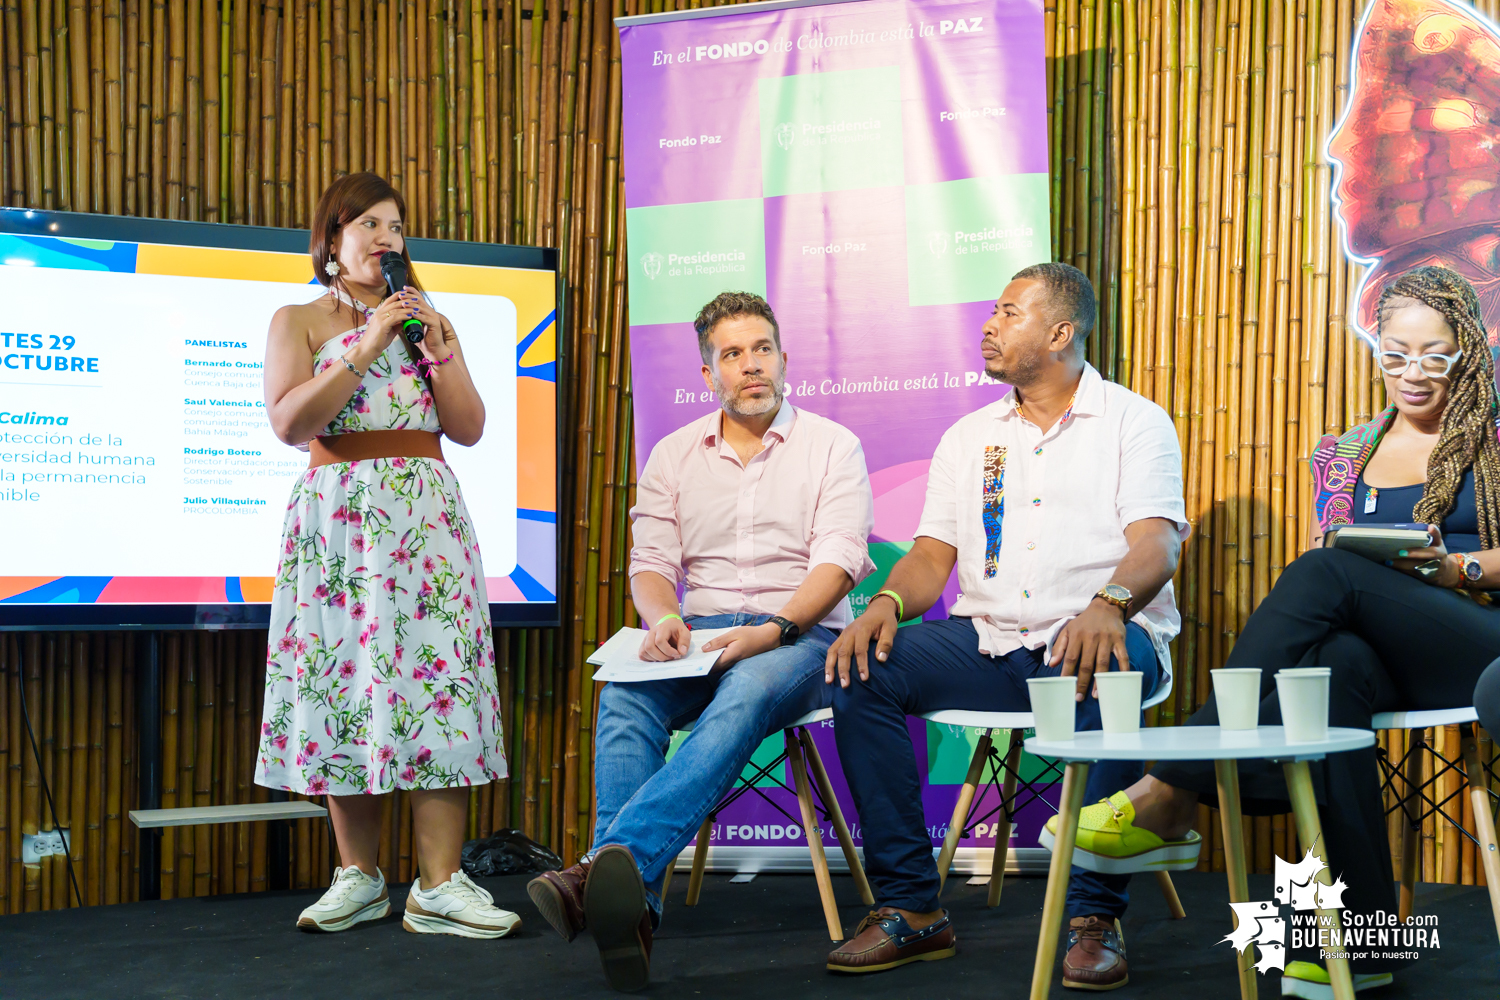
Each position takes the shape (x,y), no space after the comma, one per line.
(393,269)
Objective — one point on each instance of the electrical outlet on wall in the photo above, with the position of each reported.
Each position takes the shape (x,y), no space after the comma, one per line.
(36,847)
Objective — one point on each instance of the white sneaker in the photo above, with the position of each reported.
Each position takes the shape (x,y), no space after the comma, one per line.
(352,898)
(458,906)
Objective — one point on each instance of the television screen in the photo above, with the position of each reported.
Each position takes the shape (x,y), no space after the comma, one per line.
(140,482)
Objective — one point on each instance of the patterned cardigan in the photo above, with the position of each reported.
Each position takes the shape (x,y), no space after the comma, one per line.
(1336,464)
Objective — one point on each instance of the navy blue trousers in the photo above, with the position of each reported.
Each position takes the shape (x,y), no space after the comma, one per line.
(934,666)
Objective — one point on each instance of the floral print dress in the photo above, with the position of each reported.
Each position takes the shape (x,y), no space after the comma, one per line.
(381,668)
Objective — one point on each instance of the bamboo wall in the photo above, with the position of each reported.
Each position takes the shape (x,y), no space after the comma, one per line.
(1188,181)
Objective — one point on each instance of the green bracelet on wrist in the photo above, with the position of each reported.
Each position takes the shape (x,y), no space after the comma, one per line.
(900,604)
(665,617)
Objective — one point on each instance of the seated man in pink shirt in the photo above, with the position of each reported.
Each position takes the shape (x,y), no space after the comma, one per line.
(761,512)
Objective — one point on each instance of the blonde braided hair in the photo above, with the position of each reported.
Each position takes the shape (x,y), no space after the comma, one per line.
(1467,437)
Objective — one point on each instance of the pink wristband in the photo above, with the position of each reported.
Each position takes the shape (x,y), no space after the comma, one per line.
(433,364)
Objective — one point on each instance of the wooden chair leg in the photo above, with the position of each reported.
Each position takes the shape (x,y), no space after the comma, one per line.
(1484,821)
(961,809)
(1002,825)
(836,816)
(1054,904)
(666,879)
(1310,833)
(814,838)
(700,858)
(1228,776)
(1411,816)
(1169,893)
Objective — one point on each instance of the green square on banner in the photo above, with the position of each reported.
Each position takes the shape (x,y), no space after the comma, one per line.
(836,131)
(770,748)
(681,256)
(884,555)
(950,748)
(964,239)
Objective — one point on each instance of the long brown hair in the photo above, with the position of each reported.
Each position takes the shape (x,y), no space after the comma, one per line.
(1467,436)
(347,199)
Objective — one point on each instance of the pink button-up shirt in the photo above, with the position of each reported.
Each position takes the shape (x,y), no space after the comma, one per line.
(742,537)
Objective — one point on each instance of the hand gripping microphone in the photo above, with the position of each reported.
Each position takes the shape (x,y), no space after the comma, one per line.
(393,269)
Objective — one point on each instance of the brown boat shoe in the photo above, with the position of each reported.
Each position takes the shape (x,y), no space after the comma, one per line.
(883,940)
(1096,955)
(559,896)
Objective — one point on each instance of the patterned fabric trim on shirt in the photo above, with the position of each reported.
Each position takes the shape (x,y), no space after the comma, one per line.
(994,506)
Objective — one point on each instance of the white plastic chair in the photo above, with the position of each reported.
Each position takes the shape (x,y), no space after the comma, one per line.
(800,752)
(1416,805)
(1005,773)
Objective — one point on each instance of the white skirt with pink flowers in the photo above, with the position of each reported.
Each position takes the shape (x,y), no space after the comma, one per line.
(381,668)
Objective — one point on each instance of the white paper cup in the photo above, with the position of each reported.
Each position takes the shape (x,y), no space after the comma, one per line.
(1120,700)
(1052,706)
(1303,693)
(1237,693)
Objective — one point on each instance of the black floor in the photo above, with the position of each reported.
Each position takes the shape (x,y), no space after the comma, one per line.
(762,939)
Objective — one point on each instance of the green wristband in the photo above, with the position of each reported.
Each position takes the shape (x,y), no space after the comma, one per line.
(900,604)
(665,617)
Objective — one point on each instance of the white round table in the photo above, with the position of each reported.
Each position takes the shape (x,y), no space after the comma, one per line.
(1223,747)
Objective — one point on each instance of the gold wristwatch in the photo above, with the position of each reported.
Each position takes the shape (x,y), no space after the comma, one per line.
(1117,595)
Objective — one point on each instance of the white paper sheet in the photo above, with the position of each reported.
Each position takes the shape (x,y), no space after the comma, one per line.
(619,658)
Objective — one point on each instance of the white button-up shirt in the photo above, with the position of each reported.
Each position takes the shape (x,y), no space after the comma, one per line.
(742,537)
(1039,519)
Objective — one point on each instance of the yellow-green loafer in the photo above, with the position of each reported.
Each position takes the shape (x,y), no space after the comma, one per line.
(1109,842)
(1311,981)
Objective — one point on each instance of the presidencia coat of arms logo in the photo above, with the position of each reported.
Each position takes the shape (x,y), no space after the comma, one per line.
(1417,154)
(786,135)
(651,263)
(937,243)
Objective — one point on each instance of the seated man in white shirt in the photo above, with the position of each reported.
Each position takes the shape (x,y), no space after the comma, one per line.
(761,512)
(1061,505)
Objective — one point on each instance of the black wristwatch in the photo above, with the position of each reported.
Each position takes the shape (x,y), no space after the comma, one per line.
(789,630)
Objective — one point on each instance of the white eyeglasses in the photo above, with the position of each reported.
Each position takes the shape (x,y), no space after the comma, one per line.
(1433,365)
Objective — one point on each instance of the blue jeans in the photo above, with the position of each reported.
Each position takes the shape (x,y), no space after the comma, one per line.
(654,806)
(933,666)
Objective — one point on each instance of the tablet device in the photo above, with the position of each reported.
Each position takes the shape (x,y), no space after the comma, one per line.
(1380,542)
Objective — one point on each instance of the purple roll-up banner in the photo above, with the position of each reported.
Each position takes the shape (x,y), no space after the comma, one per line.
(877,169)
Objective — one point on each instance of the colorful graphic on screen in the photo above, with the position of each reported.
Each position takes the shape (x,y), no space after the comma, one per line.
(133,429)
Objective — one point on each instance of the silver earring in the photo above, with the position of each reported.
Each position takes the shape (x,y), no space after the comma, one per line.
(331,268)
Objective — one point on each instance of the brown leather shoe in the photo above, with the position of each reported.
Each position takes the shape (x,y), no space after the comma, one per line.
(559,895)
(884,940)
(1096,955)
(614,902)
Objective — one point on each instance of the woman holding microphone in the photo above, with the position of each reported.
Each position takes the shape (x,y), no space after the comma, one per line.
(381,668)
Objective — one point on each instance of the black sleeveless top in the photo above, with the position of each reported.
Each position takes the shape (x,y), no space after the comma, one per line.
(1393,505)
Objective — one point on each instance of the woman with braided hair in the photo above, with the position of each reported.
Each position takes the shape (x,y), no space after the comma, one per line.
(1412,635)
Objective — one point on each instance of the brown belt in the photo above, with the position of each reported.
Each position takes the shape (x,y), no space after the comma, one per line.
(362,445)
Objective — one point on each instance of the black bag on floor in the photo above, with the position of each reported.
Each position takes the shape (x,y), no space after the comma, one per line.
(508,852)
